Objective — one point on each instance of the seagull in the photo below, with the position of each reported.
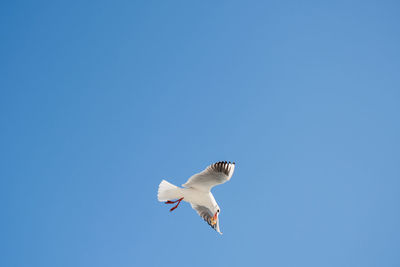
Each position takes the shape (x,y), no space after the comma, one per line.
(196,191)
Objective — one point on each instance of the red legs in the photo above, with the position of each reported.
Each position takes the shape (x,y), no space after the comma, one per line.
(172,202)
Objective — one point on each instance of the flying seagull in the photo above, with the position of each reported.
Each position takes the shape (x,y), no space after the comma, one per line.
(196,191)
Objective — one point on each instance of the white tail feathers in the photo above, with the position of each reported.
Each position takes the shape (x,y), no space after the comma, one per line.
(168,191)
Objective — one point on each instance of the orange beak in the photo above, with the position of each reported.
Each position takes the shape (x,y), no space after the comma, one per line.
(215,216)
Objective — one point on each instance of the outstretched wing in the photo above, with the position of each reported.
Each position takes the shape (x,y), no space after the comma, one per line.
(215,174)
(207,215)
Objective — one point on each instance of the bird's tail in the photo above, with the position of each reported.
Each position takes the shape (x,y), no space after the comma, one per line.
(168,191)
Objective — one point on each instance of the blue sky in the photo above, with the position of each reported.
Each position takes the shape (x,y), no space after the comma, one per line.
(101,100)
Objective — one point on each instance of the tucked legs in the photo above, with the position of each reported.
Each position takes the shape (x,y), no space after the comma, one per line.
(172,202)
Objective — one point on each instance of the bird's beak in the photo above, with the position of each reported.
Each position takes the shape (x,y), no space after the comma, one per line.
(214,219)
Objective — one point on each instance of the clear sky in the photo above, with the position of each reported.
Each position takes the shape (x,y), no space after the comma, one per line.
(101,100)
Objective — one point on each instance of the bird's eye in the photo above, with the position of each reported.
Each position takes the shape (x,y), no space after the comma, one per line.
(218,211)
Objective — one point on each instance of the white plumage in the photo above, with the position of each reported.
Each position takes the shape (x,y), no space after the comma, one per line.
(196,191)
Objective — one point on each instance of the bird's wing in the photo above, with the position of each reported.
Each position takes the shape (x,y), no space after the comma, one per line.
(207,215)
(215,174)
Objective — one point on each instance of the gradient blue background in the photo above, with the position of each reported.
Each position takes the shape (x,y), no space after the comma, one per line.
(101,100)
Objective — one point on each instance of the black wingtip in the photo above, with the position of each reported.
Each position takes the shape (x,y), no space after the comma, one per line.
(224,162)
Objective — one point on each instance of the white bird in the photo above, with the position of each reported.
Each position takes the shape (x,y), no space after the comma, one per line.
(196,191)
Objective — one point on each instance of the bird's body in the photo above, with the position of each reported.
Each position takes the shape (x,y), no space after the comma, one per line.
(196,191)
(197,197)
